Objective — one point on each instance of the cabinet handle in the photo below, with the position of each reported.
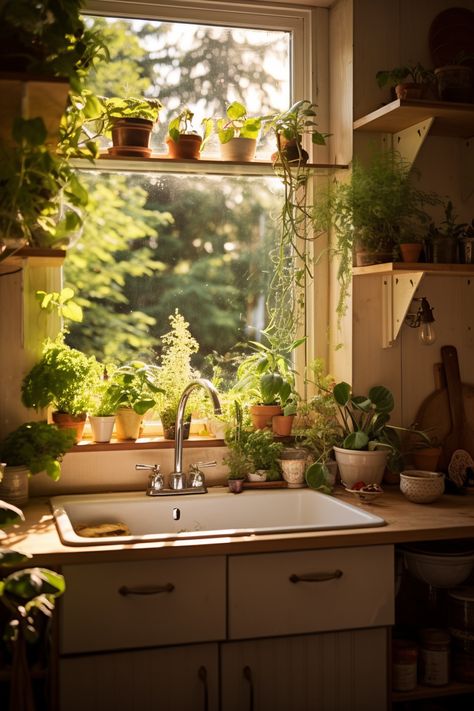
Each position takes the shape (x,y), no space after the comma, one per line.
(315,577)
(248,677)
(202,674)
(146,589)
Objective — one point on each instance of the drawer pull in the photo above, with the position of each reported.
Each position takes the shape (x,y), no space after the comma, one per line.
(202,675)
(249,678)
(146,589)
(315,577)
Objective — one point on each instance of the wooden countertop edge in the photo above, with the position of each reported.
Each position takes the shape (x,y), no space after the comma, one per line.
(450,517)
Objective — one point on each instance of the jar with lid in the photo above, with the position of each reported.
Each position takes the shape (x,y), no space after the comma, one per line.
(434,657)
(404,665)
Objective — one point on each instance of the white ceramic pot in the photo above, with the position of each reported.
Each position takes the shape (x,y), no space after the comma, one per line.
(14,485)
(102,427)
(359,465)
(239,149)
(259,475)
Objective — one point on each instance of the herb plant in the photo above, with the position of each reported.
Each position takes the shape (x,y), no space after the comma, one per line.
(134,385)
(237,124)
(38,446)
(263,452)
(182,124)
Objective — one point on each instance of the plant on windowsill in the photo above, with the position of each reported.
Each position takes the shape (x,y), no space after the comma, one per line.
(63,379)
(129,121)
(31,448)
(182,140)
(238,133)
(29,595)
(410,81)
(236,459)
(289,128)
(175,373)
(133,390)
(263,454)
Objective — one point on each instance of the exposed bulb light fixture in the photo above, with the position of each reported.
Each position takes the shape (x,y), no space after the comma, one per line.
(423,319)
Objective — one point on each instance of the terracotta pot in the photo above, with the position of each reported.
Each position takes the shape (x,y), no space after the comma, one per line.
(409,90)
(239,149)
(128,424)
(65,421)
(282,424)
(291,150)
(410,251)
(427,459)
(188,147)
(262,415)
(132,132)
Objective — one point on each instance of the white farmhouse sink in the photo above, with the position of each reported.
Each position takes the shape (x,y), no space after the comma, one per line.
(217,513)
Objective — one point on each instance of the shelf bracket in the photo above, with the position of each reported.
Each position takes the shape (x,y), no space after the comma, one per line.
(397,294)
(467,169)
(409,141)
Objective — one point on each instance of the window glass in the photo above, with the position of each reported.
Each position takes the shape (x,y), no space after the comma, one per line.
(156,242)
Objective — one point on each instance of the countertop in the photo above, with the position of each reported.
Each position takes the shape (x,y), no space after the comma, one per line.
(449,517)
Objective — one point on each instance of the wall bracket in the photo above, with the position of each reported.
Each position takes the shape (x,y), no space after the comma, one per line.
(409,141)
(397,294)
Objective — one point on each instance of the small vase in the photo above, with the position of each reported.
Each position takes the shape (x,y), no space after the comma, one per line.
(235,485)
(102,427)
(294,463)
(14,485)
(65,421)
(128,424)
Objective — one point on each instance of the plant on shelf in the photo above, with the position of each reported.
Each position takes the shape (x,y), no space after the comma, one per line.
(176,372)
(63,379)
(132,390)
(183,141)
(238,133)
(455,78)
(444,237)
(410,81)
(38,447)
(236,459)
(289,127)
(28,595)
(263,454)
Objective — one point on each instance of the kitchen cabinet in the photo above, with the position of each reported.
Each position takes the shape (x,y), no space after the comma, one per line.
(258,632)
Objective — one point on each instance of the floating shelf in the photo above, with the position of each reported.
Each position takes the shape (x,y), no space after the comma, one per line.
(450,119)
(425,267)
(34,257)
(162,164)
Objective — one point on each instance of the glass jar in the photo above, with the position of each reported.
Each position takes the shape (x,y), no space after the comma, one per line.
(434,657)
(404,665)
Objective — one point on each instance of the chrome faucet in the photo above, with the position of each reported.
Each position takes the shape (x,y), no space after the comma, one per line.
(177,480)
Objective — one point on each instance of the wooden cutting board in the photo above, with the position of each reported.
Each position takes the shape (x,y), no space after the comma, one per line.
(434,415)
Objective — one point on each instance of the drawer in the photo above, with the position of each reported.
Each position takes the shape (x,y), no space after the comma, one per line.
(335,589)
(165,602)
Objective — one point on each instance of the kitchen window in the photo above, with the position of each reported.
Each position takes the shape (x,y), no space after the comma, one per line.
(155,241)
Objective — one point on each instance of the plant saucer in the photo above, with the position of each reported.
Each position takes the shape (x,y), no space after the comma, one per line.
(367,494)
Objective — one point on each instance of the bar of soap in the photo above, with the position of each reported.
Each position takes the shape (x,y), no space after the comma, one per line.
(100,530)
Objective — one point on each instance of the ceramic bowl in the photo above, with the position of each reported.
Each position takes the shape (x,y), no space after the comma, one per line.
(442,570)
(421,487)
(367,494)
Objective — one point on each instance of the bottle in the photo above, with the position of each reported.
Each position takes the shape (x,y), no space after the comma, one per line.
(404,665)
(434,657)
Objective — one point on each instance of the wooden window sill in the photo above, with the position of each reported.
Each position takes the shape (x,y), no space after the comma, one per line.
(87,445)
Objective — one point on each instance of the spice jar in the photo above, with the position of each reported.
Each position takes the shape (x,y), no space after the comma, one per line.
(404,665)
(434,657)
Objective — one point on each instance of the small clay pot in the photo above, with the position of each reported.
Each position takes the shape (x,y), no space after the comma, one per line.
(262,415)
(187,147)
(65,421)
(282,425)
(409,90)
(410,251)
(132,132)
(235,485)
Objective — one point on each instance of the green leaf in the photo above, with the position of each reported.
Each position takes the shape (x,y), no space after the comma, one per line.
(356,440)
(342,393)
(10,514)
(382,398)
(270,385)
(73,312)
(236,111)
(9,557)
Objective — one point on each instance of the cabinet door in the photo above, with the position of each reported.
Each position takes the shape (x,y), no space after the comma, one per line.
(336,671)
(180,678)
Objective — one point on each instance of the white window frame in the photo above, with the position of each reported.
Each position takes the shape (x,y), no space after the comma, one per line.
(309,80)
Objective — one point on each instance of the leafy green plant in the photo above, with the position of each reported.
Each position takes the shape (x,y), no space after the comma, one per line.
(414,73)
(236,459)
(237,124)
(38,446)
(133,385)
(175,370)
(267,376)
(182,124)
(29,597)
(449,227)
(297,121)
(62,302)
(63,378)
(262,452)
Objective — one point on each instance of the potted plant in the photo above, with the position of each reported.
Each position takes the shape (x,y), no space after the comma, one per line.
(175,373)
(238,133)
(132,391)
(444,237)
(105,400)
(455,78)
(410,81)
(63,379)
(28,595)
(289,127)
(467,244)
(130,122)
(410,241)
(263,454)
(31,448)
(236,459)
(182,140)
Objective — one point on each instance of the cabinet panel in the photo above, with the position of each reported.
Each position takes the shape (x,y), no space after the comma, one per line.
(337,671)
(181,678)
(185,603)
(263,600)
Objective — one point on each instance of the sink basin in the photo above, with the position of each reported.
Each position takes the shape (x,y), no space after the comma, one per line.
(217,513)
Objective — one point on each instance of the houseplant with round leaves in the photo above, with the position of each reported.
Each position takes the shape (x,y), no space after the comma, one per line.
(133,391)
(31,448)
(182,140)
(238,133)
(128,120)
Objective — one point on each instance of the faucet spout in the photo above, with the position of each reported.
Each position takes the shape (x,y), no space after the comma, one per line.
(179,429)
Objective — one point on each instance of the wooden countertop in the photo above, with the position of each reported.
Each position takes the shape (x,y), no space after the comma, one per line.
(448,518)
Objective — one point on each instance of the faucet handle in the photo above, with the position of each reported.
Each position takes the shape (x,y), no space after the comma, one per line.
(155,479)
(195,466)
(196,476)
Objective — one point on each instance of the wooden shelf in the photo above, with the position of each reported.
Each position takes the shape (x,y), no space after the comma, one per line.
(34,257)
(145,443)
(424,267)
(162,164)
(450,119)
(454,688)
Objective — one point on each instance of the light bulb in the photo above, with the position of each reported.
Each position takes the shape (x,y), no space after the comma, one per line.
(427,333)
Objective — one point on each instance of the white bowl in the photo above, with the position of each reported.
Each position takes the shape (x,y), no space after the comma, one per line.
(421,487)
(441,571)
